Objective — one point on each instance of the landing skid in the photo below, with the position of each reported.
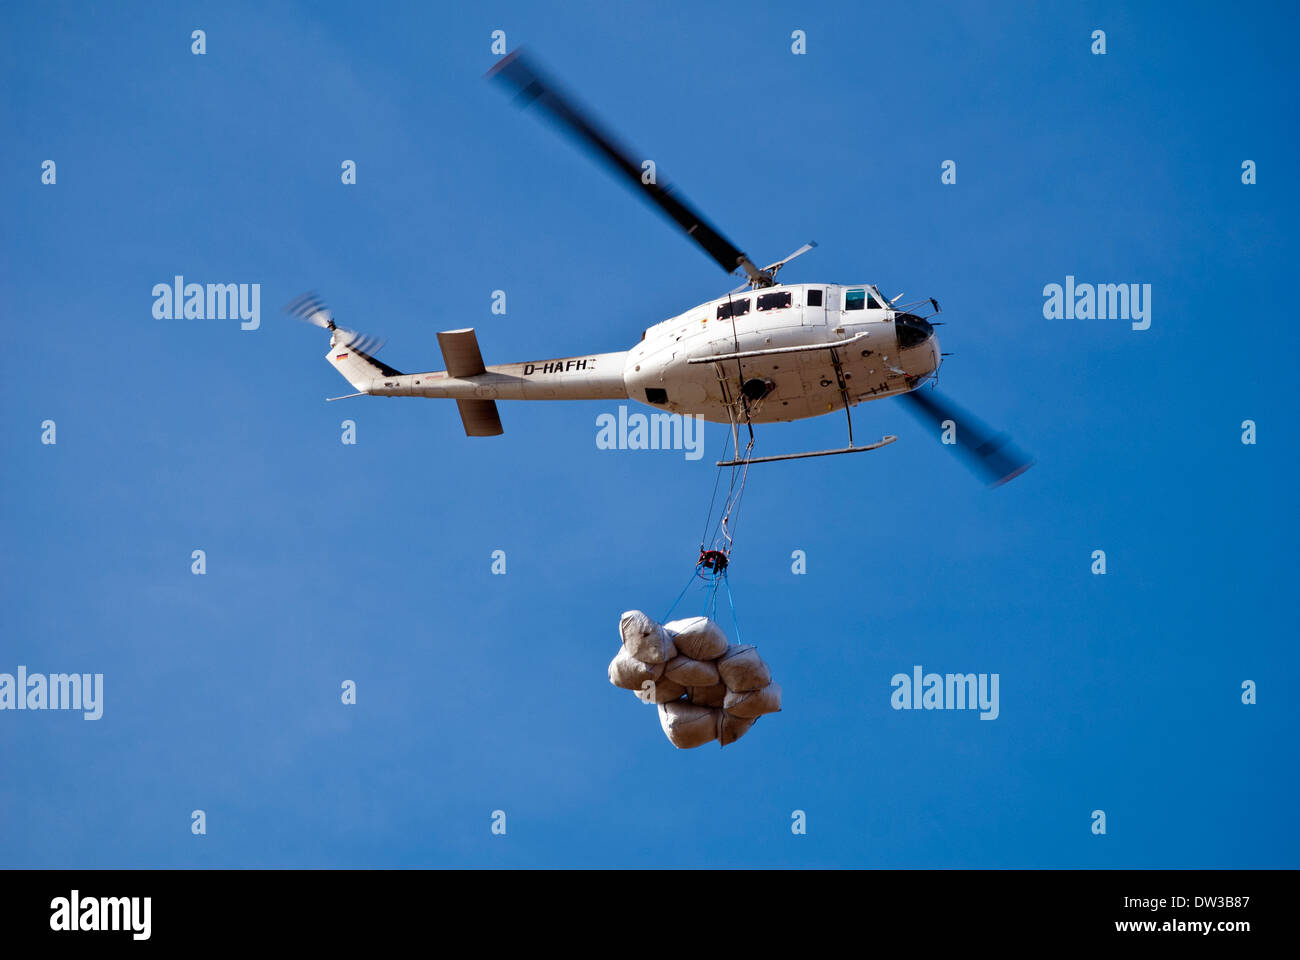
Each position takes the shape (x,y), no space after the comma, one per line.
(884,441)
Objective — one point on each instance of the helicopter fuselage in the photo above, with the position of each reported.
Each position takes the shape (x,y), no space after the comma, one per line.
(787,369)
(781,380)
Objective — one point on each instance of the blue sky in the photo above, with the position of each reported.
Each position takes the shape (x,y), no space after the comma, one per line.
(371,562)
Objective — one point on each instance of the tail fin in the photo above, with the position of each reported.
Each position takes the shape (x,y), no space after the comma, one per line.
(350,355)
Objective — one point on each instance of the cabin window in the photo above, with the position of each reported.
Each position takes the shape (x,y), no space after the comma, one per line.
(774,301)
(814,298)
(860,299)
(733,308)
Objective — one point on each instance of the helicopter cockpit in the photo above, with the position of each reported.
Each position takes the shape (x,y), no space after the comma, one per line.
(864,298)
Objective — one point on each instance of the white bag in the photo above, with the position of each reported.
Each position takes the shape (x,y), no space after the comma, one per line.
(713,696)
(688,725)
(742,669)
(733,728)
(692,673)
(664,691)
(755,703)
(644,638)
(629,673)
(698,637)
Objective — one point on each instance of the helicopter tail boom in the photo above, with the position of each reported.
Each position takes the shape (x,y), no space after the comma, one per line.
(476,387)
(592,377)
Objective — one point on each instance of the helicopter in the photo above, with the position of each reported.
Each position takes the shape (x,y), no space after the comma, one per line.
(765,352)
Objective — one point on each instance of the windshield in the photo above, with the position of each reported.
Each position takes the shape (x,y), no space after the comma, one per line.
(862,298)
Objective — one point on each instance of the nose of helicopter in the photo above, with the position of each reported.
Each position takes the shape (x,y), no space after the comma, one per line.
(912,330)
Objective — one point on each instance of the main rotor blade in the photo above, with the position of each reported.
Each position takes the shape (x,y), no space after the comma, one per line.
(990,454)
(774,267)
(531,86)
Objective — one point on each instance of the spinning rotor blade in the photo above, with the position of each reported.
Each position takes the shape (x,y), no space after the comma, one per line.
(310,308)
(772,268)
(363,343)
(992,455)
(530,86)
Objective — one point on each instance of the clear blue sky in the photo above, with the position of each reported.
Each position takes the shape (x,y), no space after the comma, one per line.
(371,562)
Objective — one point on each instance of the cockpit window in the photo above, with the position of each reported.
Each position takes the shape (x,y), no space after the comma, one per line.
(733,308)
(774,301)
(859,299)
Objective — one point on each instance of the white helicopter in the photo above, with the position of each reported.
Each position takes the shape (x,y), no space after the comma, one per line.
(765,352)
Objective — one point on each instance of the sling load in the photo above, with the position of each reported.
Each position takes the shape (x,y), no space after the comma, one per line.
(706,688)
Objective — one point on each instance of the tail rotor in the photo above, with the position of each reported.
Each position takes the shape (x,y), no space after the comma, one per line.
(312,308)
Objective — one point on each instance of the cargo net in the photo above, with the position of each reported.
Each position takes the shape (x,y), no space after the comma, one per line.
(706,689)
(707,583)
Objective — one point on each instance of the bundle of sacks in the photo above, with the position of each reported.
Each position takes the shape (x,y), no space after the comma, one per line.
(706,689)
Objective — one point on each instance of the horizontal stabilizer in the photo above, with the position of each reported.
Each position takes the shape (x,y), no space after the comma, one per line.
(461,353)
(480,417)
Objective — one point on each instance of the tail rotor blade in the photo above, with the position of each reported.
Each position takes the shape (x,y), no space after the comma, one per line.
(991,455)
(365,343)
(311,308)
